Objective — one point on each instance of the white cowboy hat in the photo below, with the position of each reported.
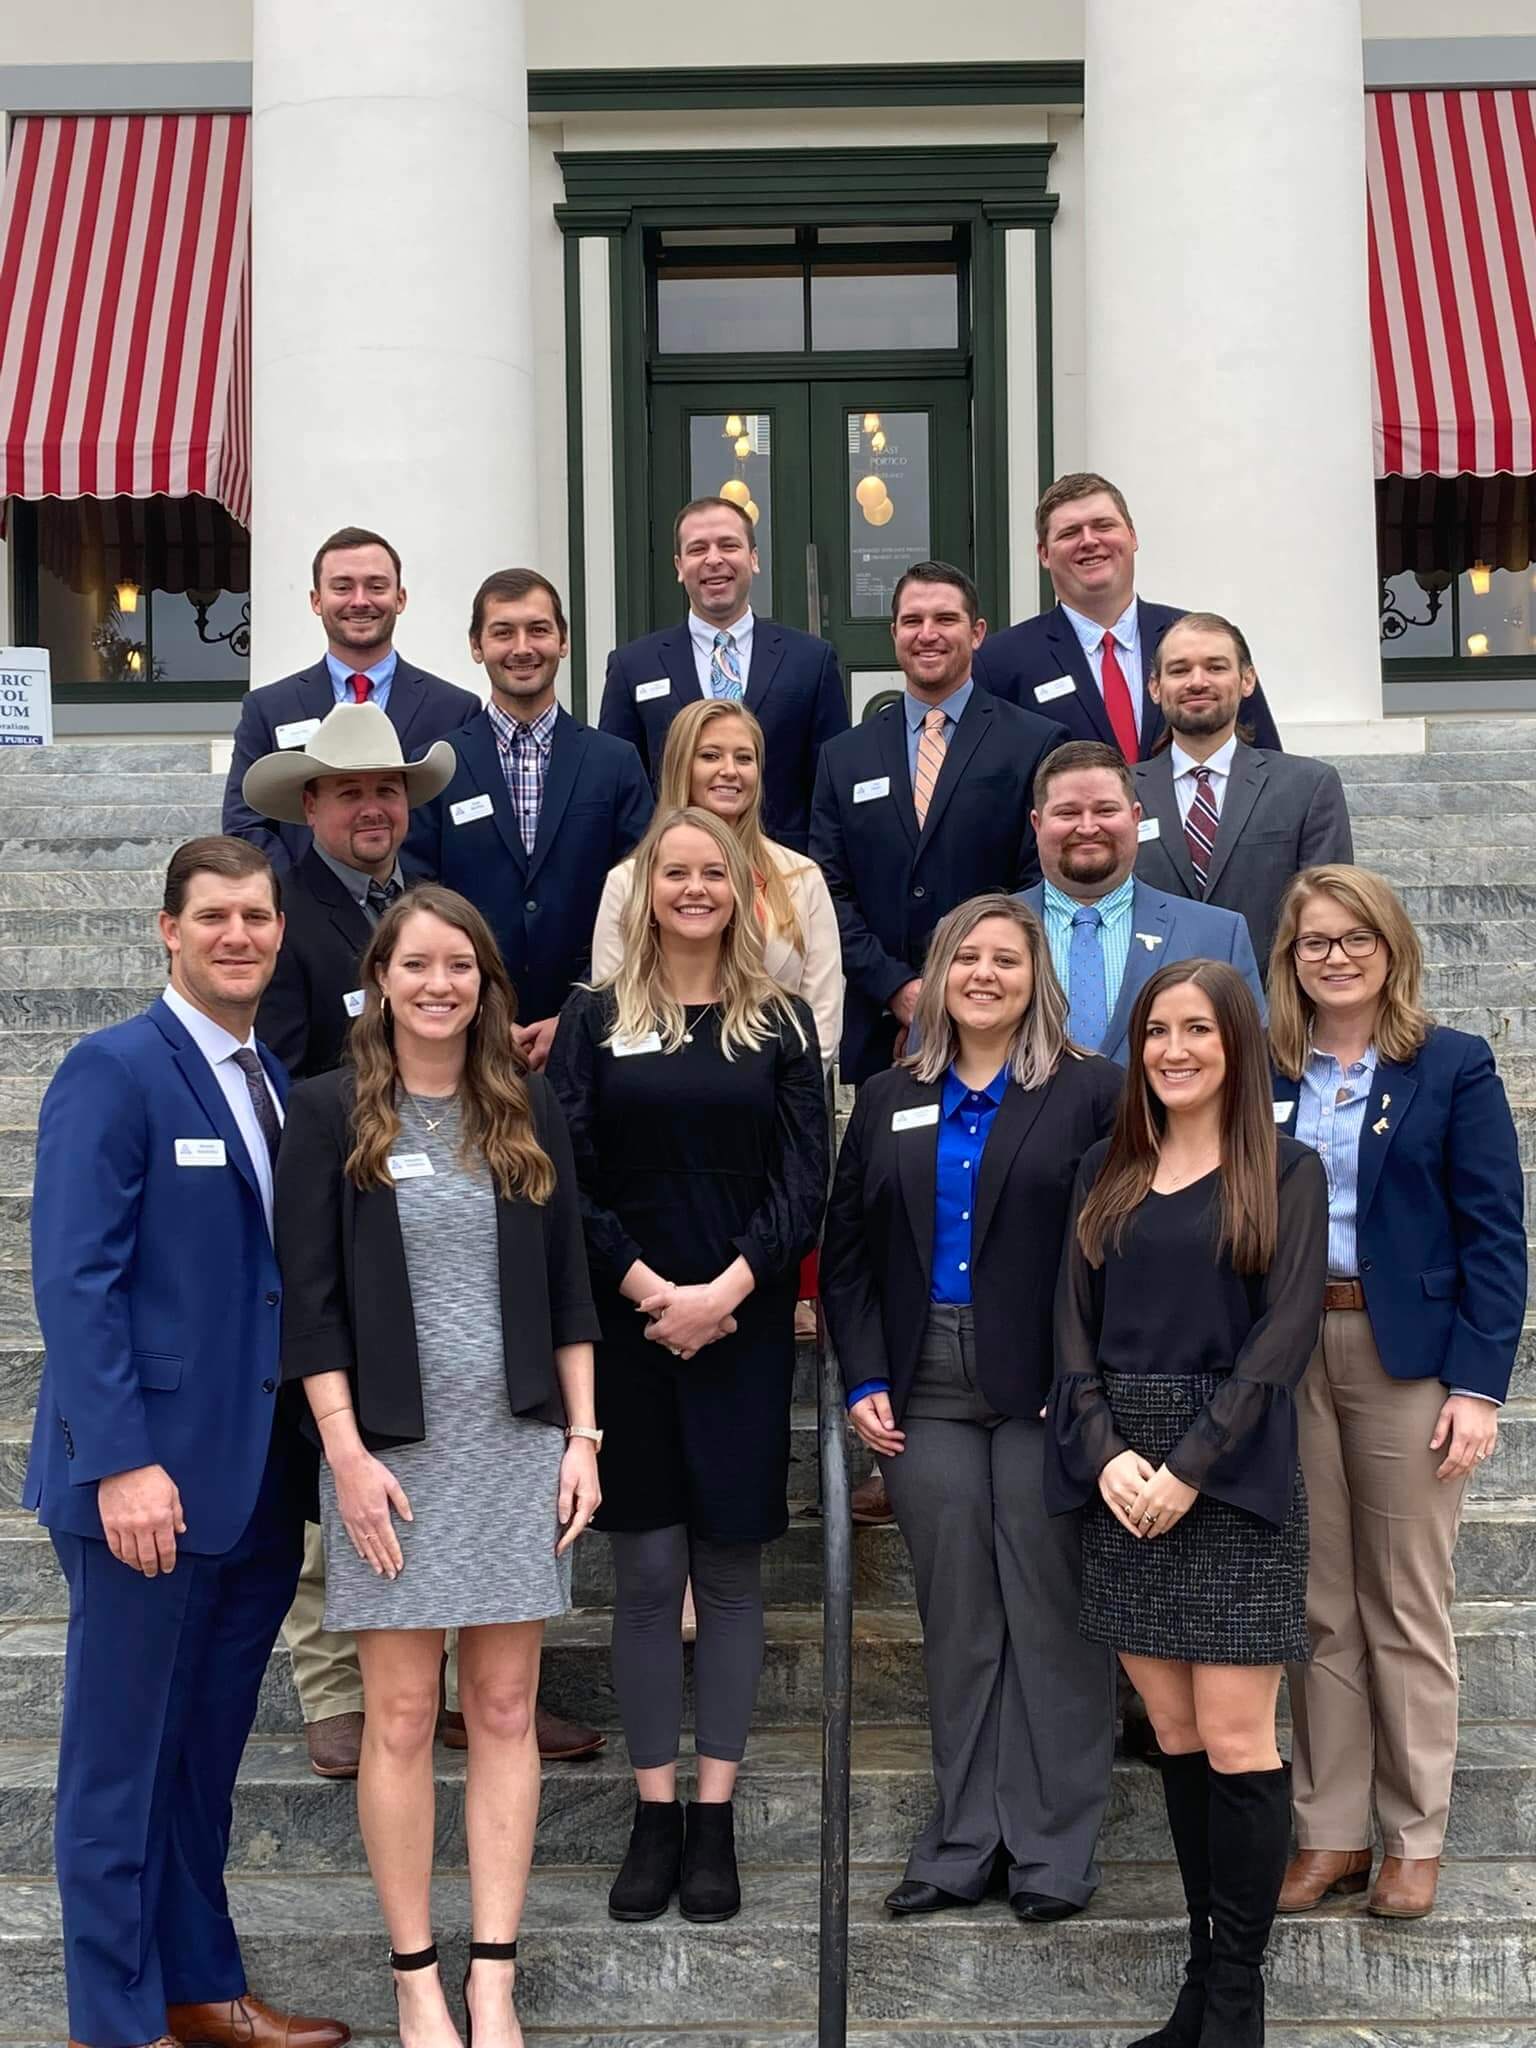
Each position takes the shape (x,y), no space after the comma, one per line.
(354,739)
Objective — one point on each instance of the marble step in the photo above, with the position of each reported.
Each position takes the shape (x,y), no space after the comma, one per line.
(1449,735)
(135,786)
(100,819)
(1496,1649)
(1429,798)
(1481,765)
(288,1822)
(77,888)
(75,851)
(1001,2034)
(108,757)
(1118,1961)
(1443,859)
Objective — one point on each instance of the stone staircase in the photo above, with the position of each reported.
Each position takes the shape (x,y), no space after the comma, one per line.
(84,834)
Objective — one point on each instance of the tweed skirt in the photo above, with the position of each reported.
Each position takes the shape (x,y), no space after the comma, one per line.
(1223,1586)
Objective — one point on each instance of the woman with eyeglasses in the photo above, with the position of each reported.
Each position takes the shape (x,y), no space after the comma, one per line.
(1423,1311)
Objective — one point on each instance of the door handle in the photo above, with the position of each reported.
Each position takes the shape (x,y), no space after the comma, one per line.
(814,606)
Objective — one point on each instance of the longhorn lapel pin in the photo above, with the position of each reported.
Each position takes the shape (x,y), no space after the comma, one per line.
(1380,1125)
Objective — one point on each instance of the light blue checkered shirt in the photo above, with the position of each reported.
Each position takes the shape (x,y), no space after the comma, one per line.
(524,751)
(1114,935)
(1330,1116)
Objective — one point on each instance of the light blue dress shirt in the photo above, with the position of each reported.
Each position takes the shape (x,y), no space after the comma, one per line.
(916,711)
(1116,909)
(380,676)
(1330,1116)
(1126,632)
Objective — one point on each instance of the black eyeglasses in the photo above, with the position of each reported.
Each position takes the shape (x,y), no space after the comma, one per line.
(1355,945)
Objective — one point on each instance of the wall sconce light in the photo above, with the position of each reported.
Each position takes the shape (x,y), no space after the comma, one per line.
(127,596)
(871,422)
(1477,643)
(870,491)
(1480,576)
(877,440)
(732,426)
(881,514)
(135,661)
(742,446)
(752,511)
(738,493)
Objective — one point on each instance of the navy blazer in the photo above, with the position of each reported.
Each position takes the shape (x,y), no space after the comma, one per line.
(1439,1214)
(541,906)
(305,1016)
(157,1286)
(794,689)
(421,707)
(890,883)
(1024,661)
(1165,928)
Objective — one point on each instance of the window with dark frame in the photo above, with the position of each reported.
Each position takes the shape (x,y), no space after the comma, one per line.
(1457,580)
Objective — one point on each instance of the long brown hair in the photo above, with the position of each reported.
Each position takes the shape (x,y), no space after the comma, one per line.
(685,735)
(1249,1187)
(497,1117)
(1402,1022)
(1040,1044)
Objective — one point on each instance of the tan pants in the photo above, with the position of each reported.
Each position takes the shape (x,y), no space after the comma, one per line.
(325,1668)
(1377,1704)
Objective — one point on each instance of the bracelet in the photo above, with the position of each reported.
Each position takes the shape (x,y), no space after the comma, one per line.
(344,1409)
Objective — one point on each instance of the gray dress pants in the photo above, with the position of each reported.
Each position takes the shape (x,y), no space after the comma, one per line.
(1021,1709)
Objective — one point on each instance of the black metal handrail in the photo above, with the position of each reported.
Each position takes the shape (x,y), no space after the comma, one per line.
(836,1684)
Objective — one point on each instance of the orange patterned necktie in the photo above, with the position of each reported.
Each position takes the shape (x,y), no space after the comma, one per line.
(930,759)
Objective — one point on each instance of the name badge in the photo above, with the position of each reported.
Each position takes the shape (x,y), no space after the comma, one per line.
(1149,828)
(1063,686)
(200,1152)
(645,692)
(1283,1112)
(866,792)
(409,1166)
(353,1001)
(915,1119)
(472,807)
(626,1048)
(296,735)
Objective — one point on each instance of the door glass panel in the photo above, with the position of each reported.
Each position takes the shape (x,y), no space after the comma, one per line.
(888,504)
(718,311)
(730,455)
(916,306)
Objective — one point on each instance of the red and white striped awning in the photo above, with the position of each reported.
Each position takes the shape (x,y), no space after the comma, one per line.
(125,308)
(1451,179)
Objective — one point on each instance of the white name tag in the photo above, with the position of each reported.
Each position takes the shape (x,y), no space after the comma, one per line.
(915,1119)
(409,1166)
(472,807)
(200,1152)
(626,1048)
(866,792)
(1283,1112)
(1149,828)
(644,692)
(353,1001)
(1063,686)
(295,735)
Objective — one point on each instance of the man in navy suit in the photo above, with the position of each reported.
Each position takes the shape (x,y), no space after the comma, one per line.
(1086,661)
(1109,933)
(921,806)
(357,595)
(539,809)
(789,680)
(162,1465)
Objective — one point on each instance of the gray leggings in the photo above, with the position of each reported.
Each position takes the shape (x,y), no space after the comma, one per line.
(650,1569)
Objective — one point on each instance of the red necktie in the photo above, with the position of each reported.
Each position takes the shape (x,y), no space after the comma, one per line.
(1201,826)
(1117,699)
(361,686)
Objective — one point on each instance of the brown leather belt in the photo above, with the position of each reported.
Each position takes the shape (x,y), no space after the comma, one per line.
(1343,1294)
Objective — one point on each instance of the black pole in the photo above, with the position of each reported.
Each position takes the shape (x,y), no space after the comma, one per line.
(836,1694)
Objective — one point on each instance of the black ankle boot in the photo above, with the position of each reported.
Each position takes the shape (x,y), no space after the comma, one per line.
(1187,1796)
(652,1863)
(1250,1842)
(710,1888)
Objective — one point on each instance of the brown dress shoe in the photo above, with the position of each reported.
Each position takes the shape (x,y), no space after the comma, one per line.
(451,1732)
(562,1742)
(870,1504)
(335,1744)
(165,2041)
(248,2023)
(1313,1873)
(1405,1887)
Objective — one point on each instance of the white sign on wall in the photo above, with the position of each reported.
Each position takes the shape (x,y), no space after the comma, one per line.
(26,697)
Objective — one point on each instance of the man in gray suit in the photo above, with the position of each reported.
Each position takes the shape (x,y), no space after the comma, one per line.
(1107,930)
(1233,822)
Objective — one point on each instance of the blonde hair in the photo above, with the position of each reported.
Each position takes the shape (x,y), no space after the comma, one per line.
(1040,1043)
(751,1003)
(497,1115)
(685,735)
(1402,1022)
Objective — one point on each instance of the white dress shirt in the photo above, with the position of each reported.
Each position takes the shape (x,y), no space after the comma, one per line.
(1126,634)
(217,1047)
(702,634)
(1220,765)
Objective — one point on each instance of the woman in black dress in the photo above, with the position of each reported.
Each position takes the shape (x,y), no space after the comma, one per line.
(1190,1297)
(693,1088)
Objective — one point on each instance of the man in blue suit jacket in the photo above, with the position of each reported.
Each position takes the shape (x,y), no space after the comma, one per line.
(1057,664)
(357,595)
(790,681)
(171,1483)
(539,808)
(1087,821)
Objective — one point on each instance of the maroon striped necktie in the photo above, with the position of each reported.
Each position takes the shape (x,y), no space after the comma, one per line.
(1201,825)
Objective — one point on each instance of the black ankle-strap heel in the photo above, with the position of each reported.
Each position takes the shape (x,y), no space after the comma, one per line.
(417,1959)
(484,1952)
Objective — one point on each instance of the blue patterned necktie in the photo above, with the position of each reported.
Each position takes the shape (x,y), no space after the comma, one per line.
(1088,1016)
(725,669)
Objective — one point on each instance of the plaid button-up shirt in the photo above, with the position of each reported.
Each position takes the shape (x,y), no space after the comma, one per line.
(524,751)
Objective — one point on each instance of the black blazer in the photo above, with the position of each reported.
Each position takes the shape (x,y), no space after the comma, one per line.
(347,1296)
(877,1249)
(891,883)
(422,708)
(303,1016)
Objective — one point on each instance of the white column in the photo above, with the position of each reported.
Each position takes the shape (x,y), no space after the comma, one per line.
(1228,349)
(392,343)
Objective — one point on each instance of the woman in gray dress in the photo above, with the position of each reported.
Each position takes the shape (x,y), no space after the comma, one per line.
(437,1307)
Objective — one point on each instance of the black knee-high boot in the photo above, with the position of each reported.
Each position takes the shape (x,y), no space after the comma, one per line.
(1250,1842)
(1187,1796)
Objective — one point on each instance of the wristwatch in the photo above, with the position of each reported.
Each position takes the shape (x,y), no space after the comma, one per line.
(593,1436)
